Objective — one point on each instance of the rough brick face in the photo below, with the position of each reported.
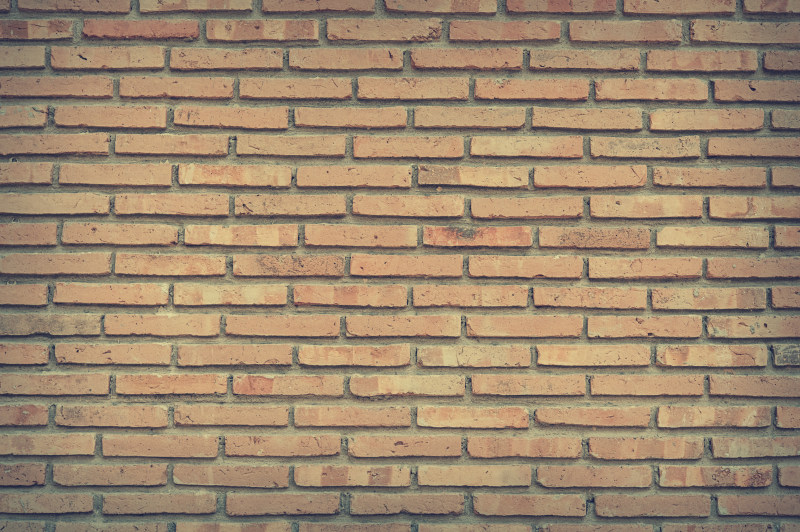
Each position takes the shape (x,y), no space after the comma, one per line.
(399,265)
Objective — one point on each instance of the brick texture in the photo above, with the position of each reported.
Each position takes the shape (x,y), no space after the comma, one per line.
(399,265)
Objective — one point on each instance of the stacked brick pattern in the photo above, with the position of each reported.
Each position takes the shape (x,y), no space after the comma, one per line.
(405,266)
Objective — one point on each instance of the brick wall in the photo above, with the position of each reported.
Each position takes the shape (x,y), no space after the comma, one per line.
(413,265)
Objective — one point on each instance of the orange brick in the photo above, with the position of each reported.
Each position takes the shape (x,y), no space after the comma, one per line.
(426,504)
(470,296)
(753,147)
(107,58)
(787,417)
(708,298)
(116,174)
(22,474)
(244,175)
(368,118)
(675,326)
(753,386)
(172,204)
(367,176)
(657,31)
(39,29)
(756,91)
(198,295)
(531,89)
(261,30)
(151,6)
(594,477)
(744,268)
(467,58)
(400,325)
(46,503)
(119,234)
(23,116)
(302,146)
(558,6)
(710,416)
(781,61)
(55,264)
(372,476)
(200,145)
(374,236)
(551,267)
(483,31)
(738,176)
(162,324)
(686,90)
(370,30)
(161,503)
(645,268)
(544,385)
(30,324)
(219,415)
(581,176)
(446,88)
(725,31)
(647,385)
(273,235)
(595,417)
(539,326)
(590,297)
(75,444)
(201,384)
(295,88)
(58,87)
(474,176)
(713,237)
(529,505)
(406,385)
(288,265)
(465,117)
(517,447)
(594,355)
(403,445)
(594,237)
(234,355)
(63,144)
(21,234)
(712,356)
(345,59)
(748,207)
(664,448)
(309,325)
(785,119)
(103,475)
(25,174)
(646,207)
(479,476)
(138,294)
(779,446)
(474,356)
(352,416)
(24,354)
(351,295)
(141,29)
(680,7)
(319,445)
(785,297)
(151,354)
(232,117)
(559,147)
(653,505)
(647,148)
(629,119)
(620,59)
(246,504)
(365,147)
(506,236)
(707,120)
(527,208)
(474,418)
(175,87)
(231,475)
(443,6)
(749,327)
(786,505)
(179,265)
(360,6)
(289,385)
(111,416)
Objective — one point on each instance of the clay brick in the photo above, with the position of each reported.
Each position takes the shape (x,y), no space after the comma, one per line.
(117,353)
(653,505)
(22,116)
(55,264)
(245,504)
(785,297)
(244,175)
(744,268)
(273,235)
(74,444)
(539,326)
(781,61)
(371,30)
(725,31)
(674,326)
(309,325)
(107,58)
(63,144)
(647,148)
(406,265)
(261,30)
(594,417)
(24,354)
(469,296)
(467,58)
(545,385)
(443,6)
(25,174)
(46,503)
(367,176)
(506,236)
(198,295)
(404,446)
(199,145)
(352,416)
(295,88)
(538,89)
(296,146)
(657,31)
(178,265)
(104,475)
(160,446)
(19,234)
(654,89)
(594,477)
(753,147)
(558,147)
(170,6)
(405,385)
(738,176)
(529,505)
(288,385)
(712,356)
(141,29)
(119,234)
(464,117)
(581,176)
(517,447)
(594,355)
(288,265)
(372,476)
(232,117)
(425,504)
(489,31)
(367,147)
(707,120)
(710,416)
(219,415)
(701,61)
(713,237)
(184,87)
(708,298)
(594,238)
(552,267)
(75,6)
(373,236)
(511,417)
(367,118)
(478,476)
(599,297)
(664,448)
(748,207)
(474,356)
(143,175)
(780,446)
(627,119)
(749,327)
(319,445)
(753,386)
(22,474)
(446,88)
(171,384)
(38,29)
(756,91)
(680,7)
(758,505)
(785,119)
(345,59)
(647,385)
(111,416)
(620,59)
(278,205)
(230,475)
(57,87)
(360,6)
(351,295)
(645,268)
(50,324)
(159,503)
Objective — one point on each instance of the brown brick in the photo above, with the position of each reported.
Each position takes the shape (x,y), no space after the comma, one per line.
(38,29)
(594,477)
(560,147)
(469,59)
(448,147)
(701,61)
(648,148)
(443,6)
(166,87)
(749,327)
(360,6)
(245,504)
(596,59)
(288,265)
(172,204)
(464,117)
(753,147)
(288,385)
(309,325)
(782,61)
(176,265)
(558,6)
(197,295)
(63,144)
(744,268)
(529,505)
(22,474)
(785,297)
(25,174)
(49,324)
(708,298)
(141,29)
(159,503)
(654,89)
(510,236)
(45,503)
(426,504)
(539,326)
(483,31)
(368,118)
(707,120)
(594,238)
(21,234)
(470,296)
(24,354)
(628,119)
(479,476)
(398,236)
(160,446)
(710,416)
(138,294)
(404,446)
(722,447)
(246,476)
(56,264)
(544,385)
(645,268)
(581,176)
(758,505)
(590,297)
(22,116)
(372,476)
(75,444)
(200,145)
(111,416)
(680,7)
(119,234)
(646,206)
(173,383)
(653,505)
(551,267)
(713,237)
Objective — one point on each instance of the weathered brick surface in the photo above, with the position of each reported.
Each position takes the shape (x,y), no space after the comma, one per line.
(399,265)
